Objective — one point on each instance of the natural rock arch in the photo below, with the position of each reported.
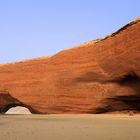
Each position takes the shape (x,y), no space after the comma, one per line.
(7,102)
(99,76)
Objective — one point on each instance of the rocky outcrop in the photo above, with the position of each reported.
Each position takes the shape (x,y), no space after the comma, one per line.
(96,77)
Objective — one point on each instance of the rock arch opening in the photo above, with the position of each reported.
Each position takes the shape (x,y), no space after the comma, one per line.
(18,110)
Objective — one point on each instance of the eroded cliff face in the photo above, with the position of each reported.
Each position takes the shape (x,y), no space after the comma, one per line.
(97,77)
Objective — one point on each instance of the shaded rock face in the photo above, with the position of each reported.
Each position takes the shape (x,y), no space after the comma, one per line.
(97,77)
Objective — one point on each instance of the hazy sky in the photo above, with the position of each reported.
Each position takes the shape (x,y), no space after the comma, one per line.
(34,28)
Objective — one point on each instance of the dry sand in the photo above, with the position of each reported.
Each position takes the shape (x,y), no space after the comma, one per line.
(69,127)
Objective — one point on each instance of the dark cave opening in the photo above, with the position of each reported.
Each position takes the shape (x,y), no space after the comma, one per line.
(129,79)
(122,103)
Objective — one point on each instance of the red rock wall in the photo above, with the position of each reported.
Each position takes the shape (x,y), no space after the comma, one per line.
(96,77)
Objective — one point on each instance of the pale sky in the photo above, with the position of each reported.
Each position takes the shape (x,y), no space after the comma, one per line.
(35,28)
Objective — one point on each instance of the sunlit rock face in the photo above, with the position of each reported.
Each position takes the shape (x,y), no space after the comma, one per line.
(18,110)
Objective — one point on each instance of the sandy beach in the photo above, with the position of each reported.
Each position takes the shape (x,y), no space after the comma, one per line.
(69,127)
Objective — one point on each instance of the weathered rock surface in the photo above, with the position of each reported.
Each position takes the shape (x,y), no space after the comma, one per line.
(96,77)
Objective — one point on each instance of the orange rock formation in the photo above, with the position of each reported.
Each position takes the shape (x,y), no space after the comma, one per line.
(96,77)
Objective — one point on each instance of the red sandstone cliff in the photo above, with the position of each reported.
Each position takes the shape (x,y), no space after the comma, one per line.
(96,77)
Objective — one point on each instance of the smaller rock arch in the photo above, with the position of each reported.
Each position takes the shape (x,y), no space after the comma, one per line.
(7,102)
